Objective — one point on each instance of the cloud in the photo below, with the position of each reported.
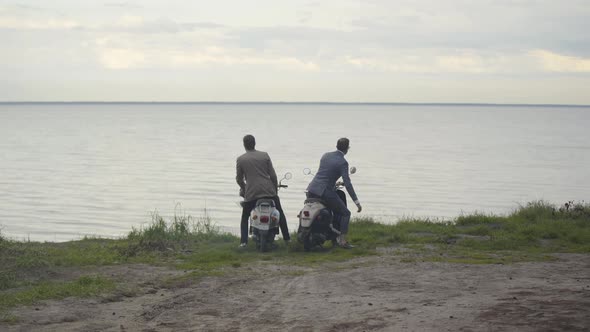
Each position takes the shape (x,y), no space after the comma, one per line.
(130,21)
(112,54)
(119,58)
(132,24)
(139,25)
(37,24)
(472,62)
(461,64)
(553,62)
(27,7)
(379,40)
(442,61)
(125,5)
(112,58)
(204,25)
(237,59)
(499,25)
(304,16)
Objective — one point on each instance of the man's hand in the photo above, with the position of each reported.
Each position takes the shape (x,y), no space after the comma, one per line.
(359,206)
(241,192)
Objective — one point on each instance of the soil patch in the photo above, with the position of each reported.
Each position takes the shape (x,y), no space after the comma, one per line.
(367,294)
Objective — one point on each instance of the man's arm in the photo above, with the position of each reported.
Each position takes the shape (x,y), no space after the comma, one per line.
(346,178)
(240,178)
(272,173)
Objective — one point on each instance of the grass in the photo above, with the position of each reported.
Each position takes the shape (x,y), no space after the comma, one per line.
(536,227)
(195,245)
(85,286)
(182,232)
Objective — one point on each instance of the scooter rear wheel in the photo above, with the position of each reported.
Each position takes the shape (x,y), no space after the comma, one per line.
(307,246)
(264,242)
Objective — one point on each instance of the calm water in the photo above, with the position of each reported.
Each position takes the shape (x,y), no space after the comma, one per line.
(89,169)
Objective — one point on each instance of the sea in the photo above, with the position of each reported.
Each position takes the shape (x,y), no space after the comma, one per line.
(71,170)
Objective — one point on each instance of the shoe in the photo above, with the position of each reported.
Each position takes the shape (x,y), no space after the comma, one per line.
(343,243)
(243,245)
(346,245)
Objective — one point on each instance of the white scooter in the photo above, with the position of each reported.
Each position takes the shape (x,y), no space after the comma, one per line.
(264,220)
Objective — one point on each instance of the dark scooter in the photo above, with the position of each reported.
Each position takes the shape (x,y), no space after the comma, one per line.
(317,223)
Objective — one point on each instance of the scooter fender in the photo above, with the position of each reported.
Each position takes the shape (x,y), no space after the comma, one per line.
(260,225)
(309,212)
(305,222)
(264,213)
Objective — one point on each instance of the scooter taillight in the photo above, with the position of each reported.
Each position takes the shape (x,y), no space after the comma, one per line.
(264,219)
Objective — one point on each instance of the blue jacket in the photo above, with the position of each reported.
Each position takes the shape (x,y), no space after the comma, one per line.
(332,167)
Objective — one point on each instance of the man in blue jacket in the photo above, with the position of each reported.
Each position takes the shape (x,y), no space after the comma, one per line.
(332,167)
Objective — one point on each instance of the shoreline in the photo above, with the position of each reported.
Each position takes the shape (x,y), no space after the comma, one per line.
(525,271)
(318,103)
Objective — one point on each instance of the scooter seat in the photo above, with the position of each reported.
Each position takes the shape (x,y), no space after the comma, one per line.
(314,200)
(266,201)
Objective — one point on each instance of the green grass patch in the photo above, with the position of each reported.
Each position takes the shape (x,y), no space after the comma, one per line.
(23,262)
(462,255)
(181,232)
(8,318)
(476,218)
(196,245)
(85,286)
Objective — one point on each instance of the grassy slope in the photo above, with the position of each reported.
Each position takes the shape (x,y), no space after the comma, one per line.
(529,233)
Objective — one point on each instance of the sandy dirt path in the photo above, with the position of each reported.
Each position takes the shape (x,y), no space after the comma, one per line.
(368,294)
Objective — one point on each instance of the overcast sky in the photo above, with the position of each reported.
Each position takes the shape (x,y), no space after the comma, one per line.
(481,51)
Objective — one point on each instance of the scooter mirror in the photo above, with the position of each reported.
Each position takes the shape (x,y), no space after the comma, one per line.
(306,171)
(352,170)
(288,176)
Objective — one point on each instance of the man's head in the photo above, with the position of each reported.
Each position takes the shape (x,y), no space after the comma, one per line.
(249,142)
(343,144)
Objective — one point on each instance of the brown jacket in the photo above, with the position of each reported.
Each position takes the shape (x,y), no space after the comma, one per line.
(255,175)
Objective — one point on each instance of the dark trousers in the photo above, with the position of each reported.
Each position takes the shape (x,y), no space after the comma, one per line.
(247,208)
(338,206)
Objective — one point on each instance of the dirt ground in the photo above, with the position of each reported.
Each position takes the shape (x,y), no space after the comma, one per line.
(369,294)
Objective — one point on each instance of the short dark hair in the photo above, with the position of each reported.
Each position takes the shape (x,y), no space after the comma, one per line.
(249,142)
(343,144)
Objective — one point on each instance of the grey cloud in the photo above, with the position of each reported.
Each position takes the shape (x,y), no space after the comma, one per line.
(497,24)
(28,7)
(201,25)
(570,38)
(260,37)
(165,26)
(126,5)
(23,8)
(304,16)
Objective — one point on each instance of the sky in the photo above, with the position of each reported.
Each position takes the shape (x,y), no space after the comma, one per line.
(415,51)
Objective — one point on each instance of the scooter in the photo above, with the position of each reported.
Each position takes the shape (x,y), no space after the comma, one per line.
(317,223)
(264,220)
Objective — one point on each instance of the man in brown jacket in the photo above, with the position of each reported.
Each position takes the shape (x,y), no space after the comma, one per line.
(257,179)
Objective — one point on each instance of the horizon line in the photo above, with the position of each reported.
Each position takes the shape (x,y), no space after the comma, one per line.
(296,103)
